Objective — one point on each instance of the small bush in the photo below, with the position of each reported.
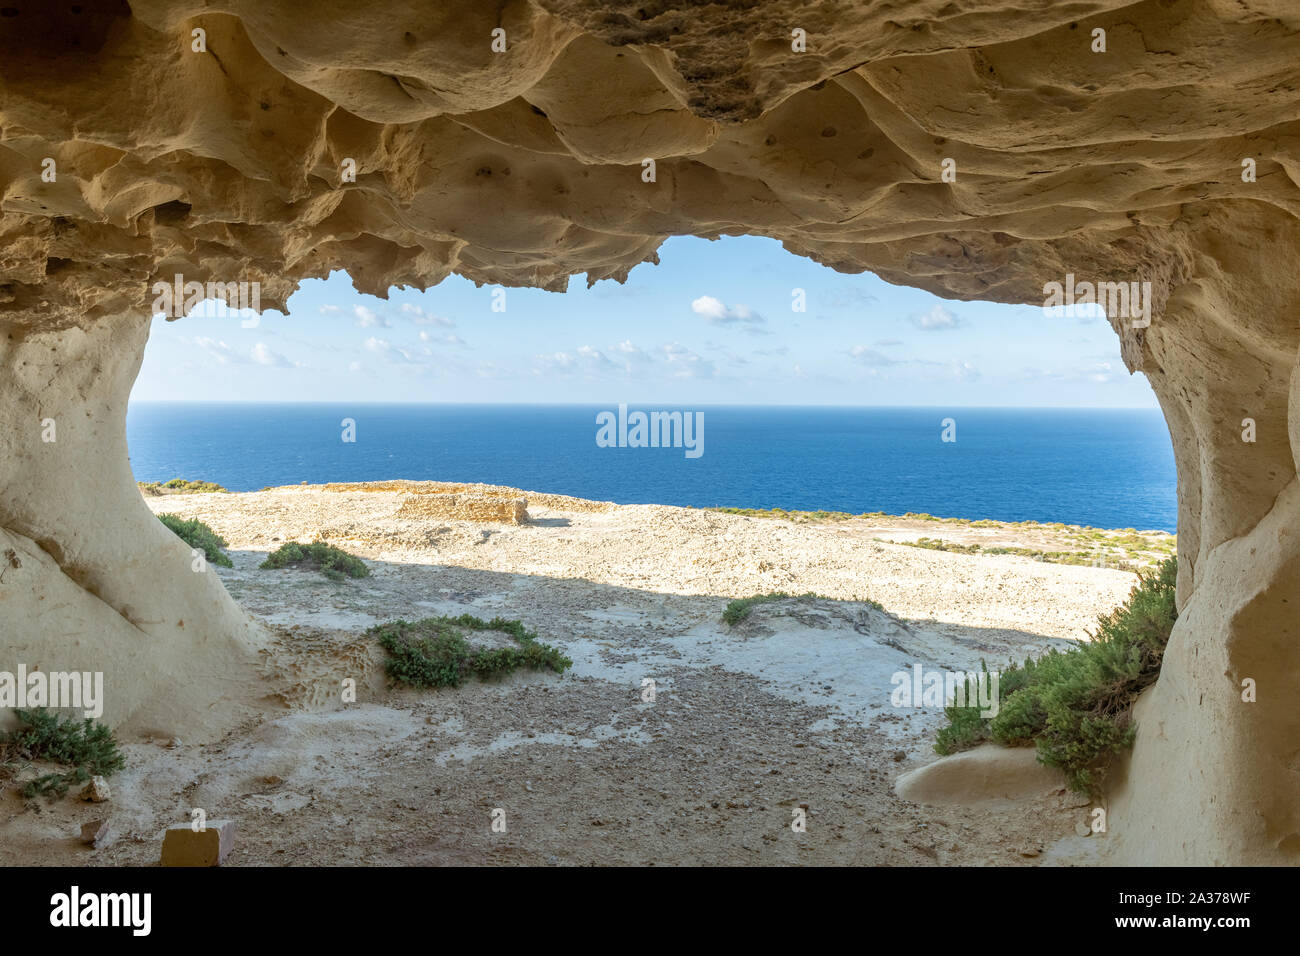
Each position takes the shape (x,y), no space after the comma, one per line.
(802,517)
(964,730)
(89,748)
(335,563)
(1076,706)
(198,535)
(966,727)
(739,609)
(1080,558)
(180,486)
(433,652)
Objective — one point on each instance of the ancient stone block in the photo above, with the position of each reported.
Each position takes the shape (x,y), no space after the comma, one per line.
(183,846)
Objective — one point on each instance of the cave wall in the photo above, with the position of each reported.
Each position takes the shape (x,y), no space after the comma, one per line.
(525,166)
(96,583)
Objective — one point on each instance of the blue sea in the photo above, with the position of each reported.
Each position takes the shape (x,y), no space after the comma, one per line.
(1101,467)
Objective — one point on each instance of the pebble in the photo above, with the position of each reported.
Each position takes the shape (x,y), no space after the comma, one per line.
(94,832)
(97,791)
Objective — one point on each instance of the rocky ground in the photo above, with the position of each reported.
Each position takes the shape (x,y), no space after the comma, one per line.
(787,710)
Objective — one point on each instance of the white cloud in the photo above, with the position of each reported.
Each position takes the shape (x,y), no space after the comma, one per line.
(560,363)
(631,354)
(448,338)
(264,356)
(709,307)
(871,357)
(595,357)
(588,362)
(937,319)
(683,363)
(584,360)
(1099,372)
(392,353)
(419,317)
(330,310)
(368,319)
(220,351)
(716,312)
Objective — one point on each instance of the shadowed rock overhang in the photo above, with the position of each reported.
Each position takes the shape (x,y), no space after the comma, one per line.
(968,147)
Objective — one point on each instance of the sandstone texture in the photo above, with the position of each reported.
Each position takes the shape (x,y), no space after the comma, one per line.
(134,150)
(987,773)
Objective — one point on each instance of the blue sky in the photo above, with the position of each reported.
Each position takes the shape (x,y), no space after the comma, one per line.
(711,324)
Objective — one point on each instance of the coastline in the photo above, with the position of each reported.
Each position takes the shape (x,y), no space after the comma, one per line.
(1052,542)
(1007,464)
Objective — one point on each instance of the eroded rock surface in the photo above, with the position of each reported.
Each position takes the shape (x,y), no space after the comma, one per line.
(128,157)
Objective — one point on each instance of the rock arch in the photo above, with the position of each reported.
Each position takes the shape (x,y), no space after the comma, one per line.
(130,152)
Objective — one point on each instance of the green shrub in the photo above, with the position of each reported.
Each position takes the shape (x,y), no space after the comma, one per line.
(1076,706)
(1080,558)
(739,609)
(964,730)
(89,748)
(798,516)
(198,535)
(433,652)
(966,727)
(180,486)
(335,563)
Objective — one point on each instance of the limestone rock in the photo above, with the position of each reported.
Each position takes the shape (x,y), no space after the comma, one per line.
(231,163)
(94,832)
(941,143)
(544,499)
(465,508)
(987,773)
(185,846)
(97,791)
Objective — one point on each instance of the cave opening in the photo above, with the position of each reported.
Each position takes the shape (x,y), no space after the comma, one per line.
(970,154)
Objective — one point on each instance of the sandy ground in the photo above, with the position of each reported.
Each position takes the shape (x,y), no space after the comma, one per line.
(788,710)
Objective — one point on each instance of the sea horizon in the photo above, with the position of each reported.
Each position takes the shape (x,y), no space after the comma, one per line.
(1099,467)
